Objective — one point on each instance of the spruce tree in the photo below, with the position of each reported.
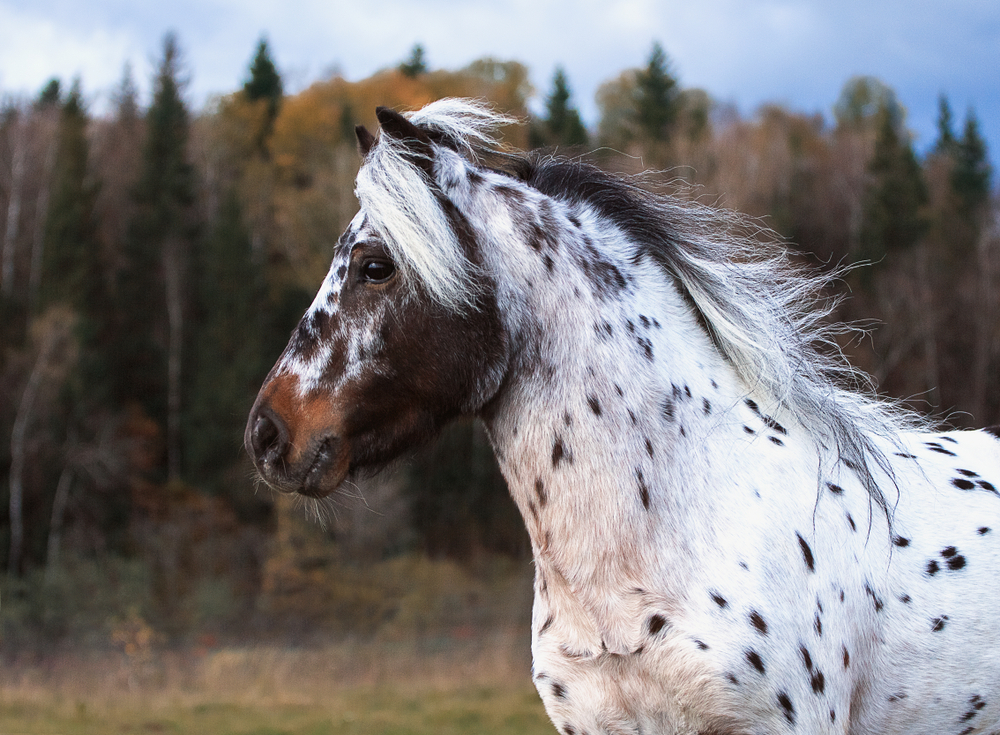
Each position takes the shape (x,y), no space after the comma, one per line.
(51,93)
(416,64)
(227,364)
(264,84)
(945,143)
(72,273)
(563,125)
(658,97)
(893,204)
(152,286)
(970,176)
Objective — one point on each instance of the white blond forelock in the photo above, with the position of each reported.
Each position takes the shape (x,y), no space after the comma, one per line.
(407,212)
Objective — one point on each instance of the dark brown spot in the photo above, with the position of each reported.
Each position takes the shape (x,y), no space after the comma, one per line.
(818,682)
(656,623)
(541,492)
(559,453)
(787,708)
(643,489)
(758,622)
(755,660)
(807,554)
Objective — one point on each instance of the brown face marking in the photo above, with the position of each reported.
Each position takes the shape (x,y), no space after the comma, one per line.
(306,454)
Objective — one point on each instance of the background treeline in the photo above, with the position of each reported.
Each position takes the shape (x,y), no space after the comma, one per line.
(154,260)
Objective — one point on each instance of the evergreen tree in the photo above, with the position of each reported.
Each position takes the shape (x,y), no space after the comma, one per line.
(416,64)
(970,176)
(227,361)
(658,97)
(264,84)
(72,270)
(863,101)
(51,93)
(563,125)
(945,143)
(151,289)
(893,216)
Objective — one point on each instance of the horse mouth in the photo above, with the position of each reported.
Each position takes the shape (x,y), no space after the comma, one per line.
(321,477)
(316,475)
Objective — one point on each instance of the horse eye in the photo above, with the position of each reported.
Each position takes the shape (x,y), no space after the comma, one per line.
(377,271)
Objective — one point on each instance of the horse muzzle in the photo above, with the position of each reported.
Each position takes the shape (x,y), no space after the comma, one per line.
(313,466)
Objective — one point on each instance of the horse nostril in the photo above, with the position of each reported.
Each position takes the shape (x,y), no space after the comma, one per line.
(269,437)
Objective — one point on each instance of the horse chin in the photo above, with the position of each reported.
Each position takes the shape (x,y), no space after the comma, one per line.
(321,473)
(327,471)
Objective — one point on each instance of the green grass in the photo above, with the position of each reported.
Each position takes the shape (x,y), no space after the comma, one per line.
(513,710)
(383,689)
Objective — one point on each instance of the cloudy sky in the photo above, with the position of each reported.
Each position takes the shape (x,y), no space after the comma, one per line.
(795,52)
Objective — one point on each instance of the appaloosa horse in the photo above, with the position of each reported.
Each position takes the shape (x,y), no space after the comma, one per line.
(725,540)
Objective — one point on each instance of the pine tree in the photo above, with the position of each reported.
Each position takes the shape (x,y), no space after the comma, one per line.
(563,125)
(416,64)
(945,143)
(72,273)
(658,97)
(893,216)
(227,361)
(264,84)
(152,286)
(970,177)
(51,93)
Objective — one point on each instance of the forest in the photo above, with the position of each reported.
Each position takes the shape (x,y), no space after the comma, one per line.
(154,259)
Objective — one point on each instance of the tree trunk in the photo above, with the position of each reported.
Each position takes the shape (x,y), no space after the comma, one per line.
(175,317)
(9,251)
(58,514)
(41,213)
(932,366)
(18,437)
(985,322)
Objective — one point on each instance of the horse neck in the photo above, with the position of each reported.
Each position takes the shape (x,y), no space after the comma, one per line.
(608,427)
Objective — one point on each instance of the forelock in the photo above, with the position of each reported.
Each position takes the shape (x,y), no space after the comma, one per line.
(408,213)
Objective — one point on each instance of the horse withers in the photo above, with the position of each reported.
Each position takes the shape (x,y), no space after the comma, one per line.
(725,540)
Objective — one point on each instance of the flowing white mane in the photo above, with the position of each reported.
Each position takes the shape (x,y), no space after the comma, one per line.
(766,315)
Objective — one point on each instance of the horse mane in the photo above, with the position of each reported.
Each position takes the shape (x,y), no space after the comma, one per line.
(766,314)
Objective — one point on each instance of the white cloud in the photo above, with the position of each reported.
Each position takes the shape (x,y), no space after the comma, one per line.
(33,49)
(797,52)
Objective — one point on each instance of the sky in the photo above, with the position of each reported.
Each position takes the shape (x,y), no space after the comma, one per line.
(798,53)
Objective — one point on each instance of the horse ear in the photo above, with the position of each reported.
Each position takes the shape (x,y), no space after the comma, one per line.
(365,139)
(416,140)
(398,127)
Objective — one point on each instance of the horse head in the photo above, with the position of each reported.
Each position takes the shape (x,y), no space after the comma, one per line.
(402,336)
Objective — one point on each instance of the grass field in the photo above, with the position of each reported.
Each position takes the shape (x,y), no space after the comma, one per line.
(445,687)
